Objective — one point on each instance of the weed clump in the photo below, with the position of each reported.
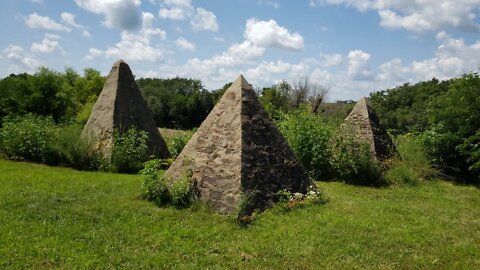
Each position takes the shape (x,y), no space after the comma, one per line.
(161,190)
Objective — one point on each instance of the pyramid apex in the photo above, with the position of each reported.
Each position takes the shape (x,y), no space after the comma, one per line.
(242,82)
(365,100)
(119,61)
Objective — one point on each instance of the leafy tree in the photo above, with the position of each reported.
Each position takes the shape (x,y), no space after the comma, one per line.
(404,108)
(178,103)
(455,115)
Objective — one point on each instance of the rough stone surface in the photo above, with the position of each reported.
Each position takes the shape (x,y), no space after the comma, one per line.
(121,106)
(239,151)
(367,127)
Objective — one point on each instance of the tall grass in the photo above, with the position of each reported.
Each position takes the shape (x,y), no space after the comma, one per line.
(412,165)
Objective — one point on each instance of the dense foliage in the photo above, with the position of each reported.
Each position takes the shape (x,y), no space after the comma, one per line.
(48,93)
(51,107)
(405,108)
(178,103)
(445,115)
(328,151)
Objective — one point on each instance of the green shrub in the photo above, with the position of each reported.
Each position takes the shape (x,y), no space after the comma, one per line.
(30,138)
(183,192)
(401,173)
(177,142)
(74,150)
(309,137)
(413,153)
(129,150)
(163,191)
(154,185)
(351,160)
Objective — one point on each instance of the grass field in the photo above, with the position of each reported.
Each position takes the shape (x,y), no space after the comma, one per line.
(62,218)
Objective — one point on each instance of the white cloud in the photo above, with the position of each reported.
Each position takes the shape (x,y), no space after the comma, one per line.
(123,14)
(272,3)
(204,20)
(181,3)
(185,45)
(270,34)
(219,39)
(418,15)
(69,19)
(20,61)
(135,46)
(173,13)
(36,21)
(225,66)
(47,46)
(413,22)
(358,66)
(394,71)
(452,58)
(331,60)
(37,1)
(200,18)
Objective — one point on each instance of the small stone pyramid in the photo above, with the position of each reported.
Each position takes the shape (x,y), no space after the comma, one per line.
(367,127)
(121,106)
(238,156)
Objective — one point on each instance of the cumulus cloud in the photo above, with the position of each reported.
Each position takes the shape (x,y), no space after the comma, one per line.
(122,14)
(452,58)
(331,60)
(267,73)
(204,20)
(135,46)
(224,66)
(418,15)
(185,45)
(173,13)
(358,66)
(20,60)
(47,46)
(69,19)
(200,18)
(36,21)
(270,34)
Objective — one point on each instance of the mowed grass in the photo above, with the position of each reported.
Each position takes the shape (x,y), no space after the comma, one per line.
(61,218)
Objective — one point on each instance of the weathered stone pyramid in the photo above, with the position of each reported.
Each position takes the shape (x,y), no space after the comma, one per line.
(367,127)
(121,106)
(238,156)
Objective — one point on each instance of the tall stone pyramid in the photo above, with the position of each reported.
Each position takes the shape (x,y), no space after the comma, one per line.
(367,126)
(121,106)
(239,156)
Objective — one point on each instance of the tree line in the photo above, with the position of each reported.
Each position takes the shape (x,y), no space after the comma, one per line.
(441,115)
(444,115)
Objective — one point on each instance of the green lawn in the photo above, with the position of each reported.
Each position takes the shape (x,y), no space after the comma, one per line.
(61,218)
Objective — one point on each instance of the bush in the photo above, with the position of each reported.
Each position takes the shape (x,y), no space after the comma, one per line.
(401,173)
(154,184)
(183,192)
(129,150)
(351,160)
(413,153)
(177,142)
(30,138)
(162,191)
(74,150)
(309,137)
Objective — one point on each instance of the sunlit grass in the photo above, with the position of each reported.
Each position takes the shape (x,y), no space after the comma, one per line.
(62,218)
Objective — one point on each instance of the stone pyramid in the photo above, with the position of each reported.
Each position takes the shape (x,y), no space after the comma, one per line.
(238,156)
(367,127)
(121,106)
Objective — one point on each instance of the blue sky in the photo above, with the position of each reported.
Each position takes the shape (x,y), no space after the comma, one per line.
(351,46)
